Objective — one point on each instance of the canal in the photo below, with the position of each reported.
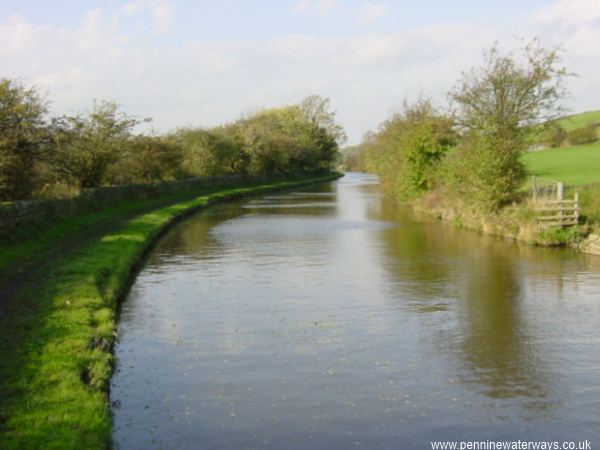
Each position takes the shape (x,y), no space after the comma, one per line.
(332,318)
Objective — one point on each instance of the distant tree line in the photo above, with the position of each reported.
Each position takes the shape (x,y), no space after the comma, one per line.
(470,153)
(554,135)
(43,156)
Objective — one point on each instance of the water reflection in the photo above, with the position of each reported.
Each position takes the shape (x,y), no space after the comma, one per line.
(331,318)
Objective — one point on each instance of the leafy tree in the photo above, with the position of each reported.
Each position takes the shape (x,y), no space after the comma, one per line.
(286,140)
(100,147)
(264,141)
(497,103)
(409,147)
(86,145)
(146,159)
(317,111)
(23,138)
(210,152)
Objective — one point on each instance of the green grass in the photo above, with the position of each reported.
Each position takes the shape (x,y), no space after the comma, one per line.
(57,330)
(573,166)
(575,121)
(589,201)
(538,134)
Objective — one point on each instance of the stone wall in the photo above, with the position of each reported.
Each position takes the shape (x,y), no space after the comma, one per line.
(591,244)
(19,213)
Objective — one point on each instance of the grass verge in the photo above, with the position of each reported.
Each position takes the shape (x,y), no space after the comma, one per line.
(589,202)
(58,327)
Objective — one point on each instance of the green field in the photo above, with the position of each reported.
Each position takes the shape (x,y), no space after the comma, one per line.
(572,165)
(539,134)
(580,120)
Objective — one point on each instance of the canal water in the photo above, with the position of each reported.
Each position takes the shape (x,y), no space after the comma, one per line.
(332,318)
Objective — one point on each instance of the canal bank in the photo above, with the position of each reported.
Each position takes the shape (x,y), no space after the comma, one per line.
(58,321)
(516,222)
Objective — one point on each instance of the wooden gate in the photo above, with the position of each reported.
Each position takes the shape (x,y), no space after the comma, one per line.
(555,210)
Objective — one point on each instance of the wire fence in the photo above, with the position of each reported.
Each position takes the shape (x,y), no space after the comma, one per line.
(545,189)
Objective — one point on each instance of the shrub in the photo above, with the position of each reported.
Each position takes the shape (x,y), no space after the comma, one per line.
(583,135)
(554,136)
(409,147)
(483,173)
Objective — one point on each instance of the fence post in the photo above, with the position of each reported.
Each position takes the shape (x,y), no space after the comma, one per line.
(560,190)
(576,206)
(534,189)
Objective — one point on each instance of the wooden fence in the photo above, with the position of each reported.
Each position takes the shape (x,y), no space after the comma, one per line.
(552,209)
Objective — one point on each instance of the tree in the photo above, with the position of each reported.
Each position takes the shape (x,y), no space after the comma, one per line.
(409,148)
(291,139)
(87,144)
(210,152)
(23,138)
(317,110)
(496,104)
(146,159)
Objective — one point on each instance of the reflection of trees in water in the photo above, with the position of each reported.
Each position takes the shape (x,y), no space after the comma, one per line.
(495,343)
(192,238)
(478,280)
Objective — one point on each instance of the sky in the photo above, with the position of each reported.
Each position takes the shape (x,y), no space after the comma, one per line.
(206,62)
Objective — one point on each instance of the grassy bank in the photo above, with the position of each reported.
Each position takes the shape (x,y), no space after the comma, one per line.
(513,222)
(57,326)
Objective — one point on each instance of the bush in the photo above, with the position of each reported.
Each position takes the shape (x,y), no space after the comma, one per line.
(554,136)
(407,150)
(483,174)
(583,135)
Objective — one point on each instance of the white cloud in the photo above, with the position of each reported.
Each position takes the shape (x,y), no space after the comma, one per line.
(575,25)
(163,17)
(320,7)
(132,8)
(369,12)
(570,12)
(205,83)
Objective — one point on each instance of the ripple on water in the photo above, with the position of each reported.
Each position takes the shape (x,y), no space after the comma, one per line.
(270,227)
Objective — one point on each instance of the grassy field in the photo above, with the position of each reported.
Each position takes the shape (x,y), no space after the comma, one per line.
(580,120)
(573,166)
(578,167)
(58,325)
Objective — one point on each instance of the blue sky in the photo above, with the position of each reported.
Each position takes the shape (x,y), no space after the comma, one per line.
(205,62)
(263,19)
